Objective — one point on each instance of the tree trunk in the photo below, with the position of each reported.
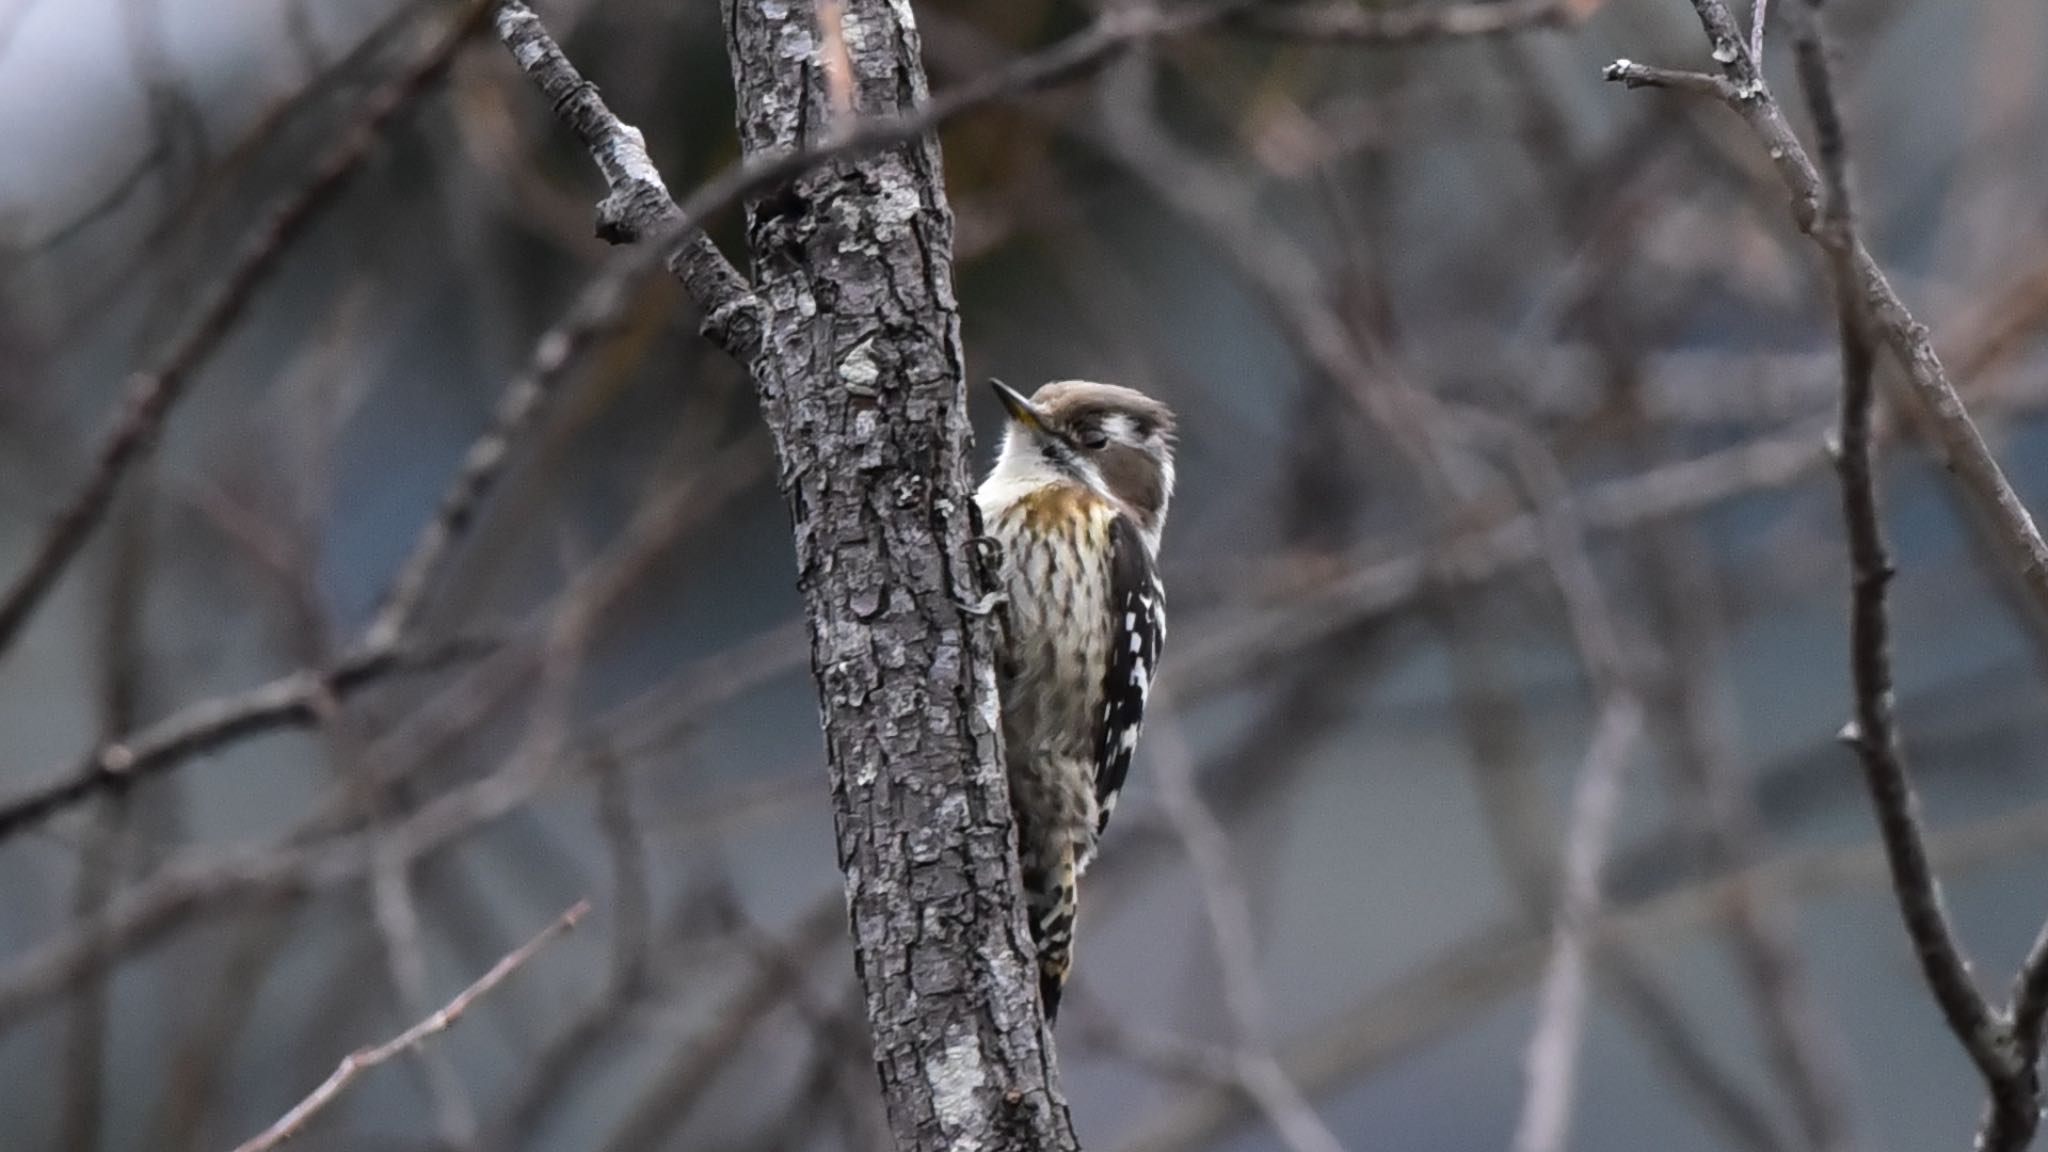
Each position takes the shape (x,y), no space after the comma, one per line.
(861,375)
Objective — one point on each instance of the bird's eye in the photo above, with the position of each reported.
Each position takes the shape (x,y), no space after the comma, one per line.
(1093,439)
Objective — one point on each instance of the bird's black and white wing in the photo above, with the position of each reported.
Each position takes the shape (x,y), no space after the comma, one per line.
(1137,633)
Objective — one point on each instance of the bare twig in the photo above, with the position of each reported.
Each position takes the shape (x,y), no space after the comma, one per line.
(1630,74)
(1553,1050)
(362,1060)
(2030,1001)
(697,934)
(151,394)
(99,871)
(1224,901)
(1873,733)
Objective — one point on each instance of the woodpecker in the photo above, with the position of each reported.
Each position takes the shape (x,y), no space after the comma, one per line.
(1075,503)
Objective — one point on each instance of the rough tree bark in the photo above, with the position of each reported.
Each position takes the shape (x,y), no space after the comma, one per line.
(861,378)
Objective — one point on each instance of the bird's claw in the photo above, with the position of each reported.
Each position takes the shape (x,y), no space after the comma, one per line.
(989,548)
(986,606)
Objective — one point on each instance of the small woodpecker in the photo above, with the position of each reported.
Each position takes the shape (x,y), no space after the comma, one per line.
(1076,502)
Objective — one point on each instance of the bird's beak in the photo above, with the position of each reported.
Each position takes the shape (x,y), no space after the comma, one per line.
(1019,406)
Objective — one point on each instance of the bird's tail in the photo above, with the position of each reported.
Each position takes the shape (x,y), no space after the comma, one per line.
(1055,898)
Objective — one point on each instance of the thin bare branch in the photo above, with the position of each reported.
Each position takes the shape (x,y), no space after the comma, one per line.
(362,1060)
(1874,731)
(1714,784)
(1552,1061)
(1630,74)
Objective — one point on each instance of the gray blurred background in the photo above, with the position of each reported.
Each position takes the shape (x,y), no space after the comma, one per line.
(1612,275)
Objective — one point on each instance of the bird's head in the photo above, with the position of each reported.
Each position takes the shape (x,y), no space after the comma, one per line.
(1117,441)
